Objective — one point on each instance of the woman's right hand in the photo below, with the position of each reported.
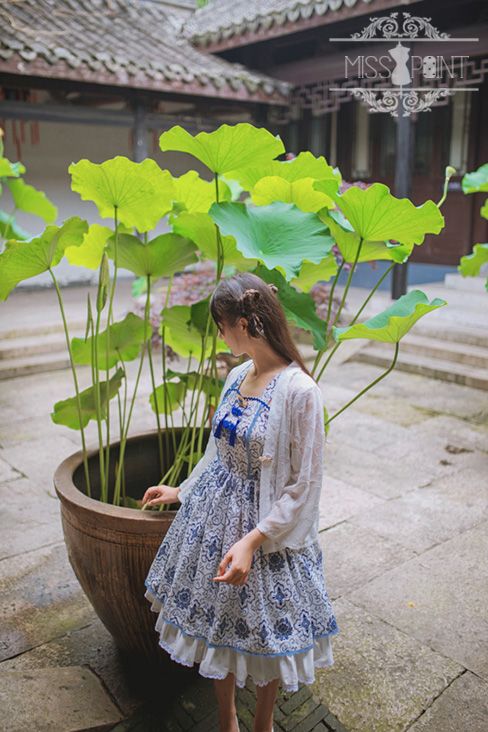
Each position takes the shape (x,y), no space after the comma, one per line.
(158,494)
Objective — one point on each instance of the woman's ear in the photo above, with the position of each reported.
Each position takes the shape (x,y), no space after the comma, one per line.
(243,324)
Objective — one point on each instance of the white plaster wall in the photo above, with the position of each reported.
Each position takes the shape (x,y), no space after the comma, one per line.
(47,166)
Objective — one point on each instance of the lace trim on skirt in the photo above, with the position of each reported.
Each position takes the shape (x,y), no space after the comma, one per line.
(216,663)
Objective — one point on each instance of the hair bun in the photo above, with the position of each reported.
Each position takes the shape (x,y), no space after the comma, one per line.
(273,288)
(249,300)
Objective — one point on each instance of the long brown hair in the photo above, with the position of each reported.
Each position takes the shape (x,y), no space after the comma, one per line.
(247,295)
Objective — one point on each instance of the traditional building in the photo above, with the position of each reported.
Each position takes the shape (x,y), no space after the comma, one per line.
(315,71)
(98,78)
(327,48)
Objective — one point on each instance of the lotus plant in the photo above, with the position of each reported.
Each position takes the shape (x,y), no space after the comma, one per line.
(294,229)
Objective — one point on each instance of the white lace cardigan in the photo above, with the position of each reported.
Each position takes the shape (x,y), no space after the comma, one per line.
(292,460)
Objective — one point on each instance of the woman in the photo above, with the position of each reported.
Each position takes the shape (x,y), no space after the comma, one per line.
(238,581)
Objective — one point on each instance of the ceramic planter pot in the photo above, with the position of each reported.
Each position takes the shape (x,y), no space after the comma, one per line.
(110,548)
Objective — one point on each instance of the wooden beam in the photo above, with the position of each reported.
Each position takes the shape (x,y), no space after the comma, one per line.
(93,116)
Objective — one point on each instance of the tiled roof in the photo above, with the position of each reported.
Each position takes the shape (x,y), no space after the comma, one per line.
(220,19)
(135,43)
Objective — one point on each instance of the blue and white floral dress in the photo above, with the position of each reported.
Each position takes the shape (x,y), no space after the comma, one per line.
(277,625)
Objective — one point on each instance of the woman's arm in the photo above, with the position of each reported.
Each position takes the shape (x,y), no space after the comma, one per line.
(307,439)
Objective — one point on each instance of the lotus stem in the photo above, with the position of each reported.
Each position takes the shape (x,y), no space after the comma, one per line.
(355,318)
(329,308)
(163,355)
(109,319)
(147,324)
(98,409)
(450,171)
(75,379)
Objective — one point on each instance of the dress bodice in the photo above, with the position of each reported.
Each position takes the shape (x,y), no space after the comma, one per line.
(239,427)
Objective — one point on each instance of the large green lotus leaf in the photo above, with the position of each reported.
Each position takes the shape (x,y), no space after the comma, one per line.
(9,228)
(169,396)
(226,148)
(193,194)
(192,381)
(305,165)
(376,215)
(471,264)
(29,199)
(24,259)
(348,242)
(10,170)
(126,339)
(66,412)
(311,273)
(175,390)
(299,307)
(181,334)
(200,228)
(391,325)
(300,192)
(142,192)
(280,235)
(477,181)
(89,254)
(161,257)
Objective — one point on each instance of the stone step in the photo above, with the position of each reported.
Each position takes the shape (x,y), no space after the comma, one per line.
(469,298)
(36,364)
(468,284)
(445,350)
(31,331)
(381,354)
(453,333)
(49,342)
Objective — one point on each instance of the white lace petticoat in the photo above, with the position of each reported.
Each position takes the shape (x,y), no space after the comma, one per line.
(216,663)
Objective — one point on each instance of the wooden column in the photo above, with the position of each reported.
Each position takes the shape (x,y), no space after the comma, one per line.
(140,131)
(403,178)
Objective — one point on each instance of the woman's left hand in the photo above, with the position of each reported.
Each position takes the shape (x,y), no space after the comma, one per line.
(239,557)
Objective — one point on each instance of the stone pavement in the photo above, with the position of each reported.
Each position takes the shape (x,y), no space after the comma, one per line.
(404,530)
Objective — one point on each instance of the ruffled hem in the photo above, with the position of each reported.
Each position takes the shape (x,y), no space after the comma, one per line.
(216,663)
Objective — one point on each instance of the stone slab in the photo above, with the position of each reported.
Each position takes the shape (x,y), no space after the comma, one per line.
(374,472)
(30,517)
(455,431)
(339,501)
(427,516)
(41,458)
(397,411)
(7,472)
(462,706)
(68,699)
(419,391)
(353,556)
(354,428)
(382,679)
(440,598)
(91,646)
(41,599)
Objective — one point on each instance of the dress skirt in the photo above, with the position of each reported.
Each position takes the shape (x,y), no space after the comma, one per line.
(278,624)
